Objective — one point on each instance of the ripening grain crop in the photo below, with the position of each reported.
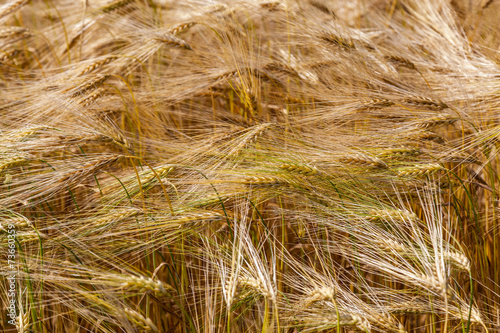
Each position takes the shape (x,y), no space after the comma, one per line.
(250,166)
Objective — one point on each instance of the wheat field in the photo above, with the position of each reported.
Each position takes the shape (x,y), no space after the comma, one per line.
(250,166)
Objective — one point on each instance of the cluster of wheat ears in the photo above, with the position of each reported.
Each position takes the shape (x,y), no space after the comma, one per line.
(251,166)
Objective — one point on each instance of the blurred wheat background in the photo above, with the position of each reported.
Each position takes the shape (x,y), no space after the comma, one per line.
(251,166)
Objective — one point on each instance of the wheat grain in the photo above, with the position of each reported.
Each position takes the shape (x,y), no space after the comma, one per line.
(322,294)
(12,162)
(458,259)
(115,5)
(23,323)
(391,245)
(30,236)
(161,171)
(140,320)
(9,55)
(116,216)
(419,170)
(143,284)
(256,285)
(429,282)
(86,169)
(8,179)
(272,5)
(251,136)
(425,102)
(401,61)
(226,75)
(12,32)
(11,7)
(96,64)
(487,4)
(18,222)
(261,180)
(91,97)
(302,169)
(398,153)
(392,214)
(172,40)
(181,28)
(376,104)
(338,40)
(436,121)
(347,320)
(363,160)
(198,216)
(24,133)
(282,68)
(427,136)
